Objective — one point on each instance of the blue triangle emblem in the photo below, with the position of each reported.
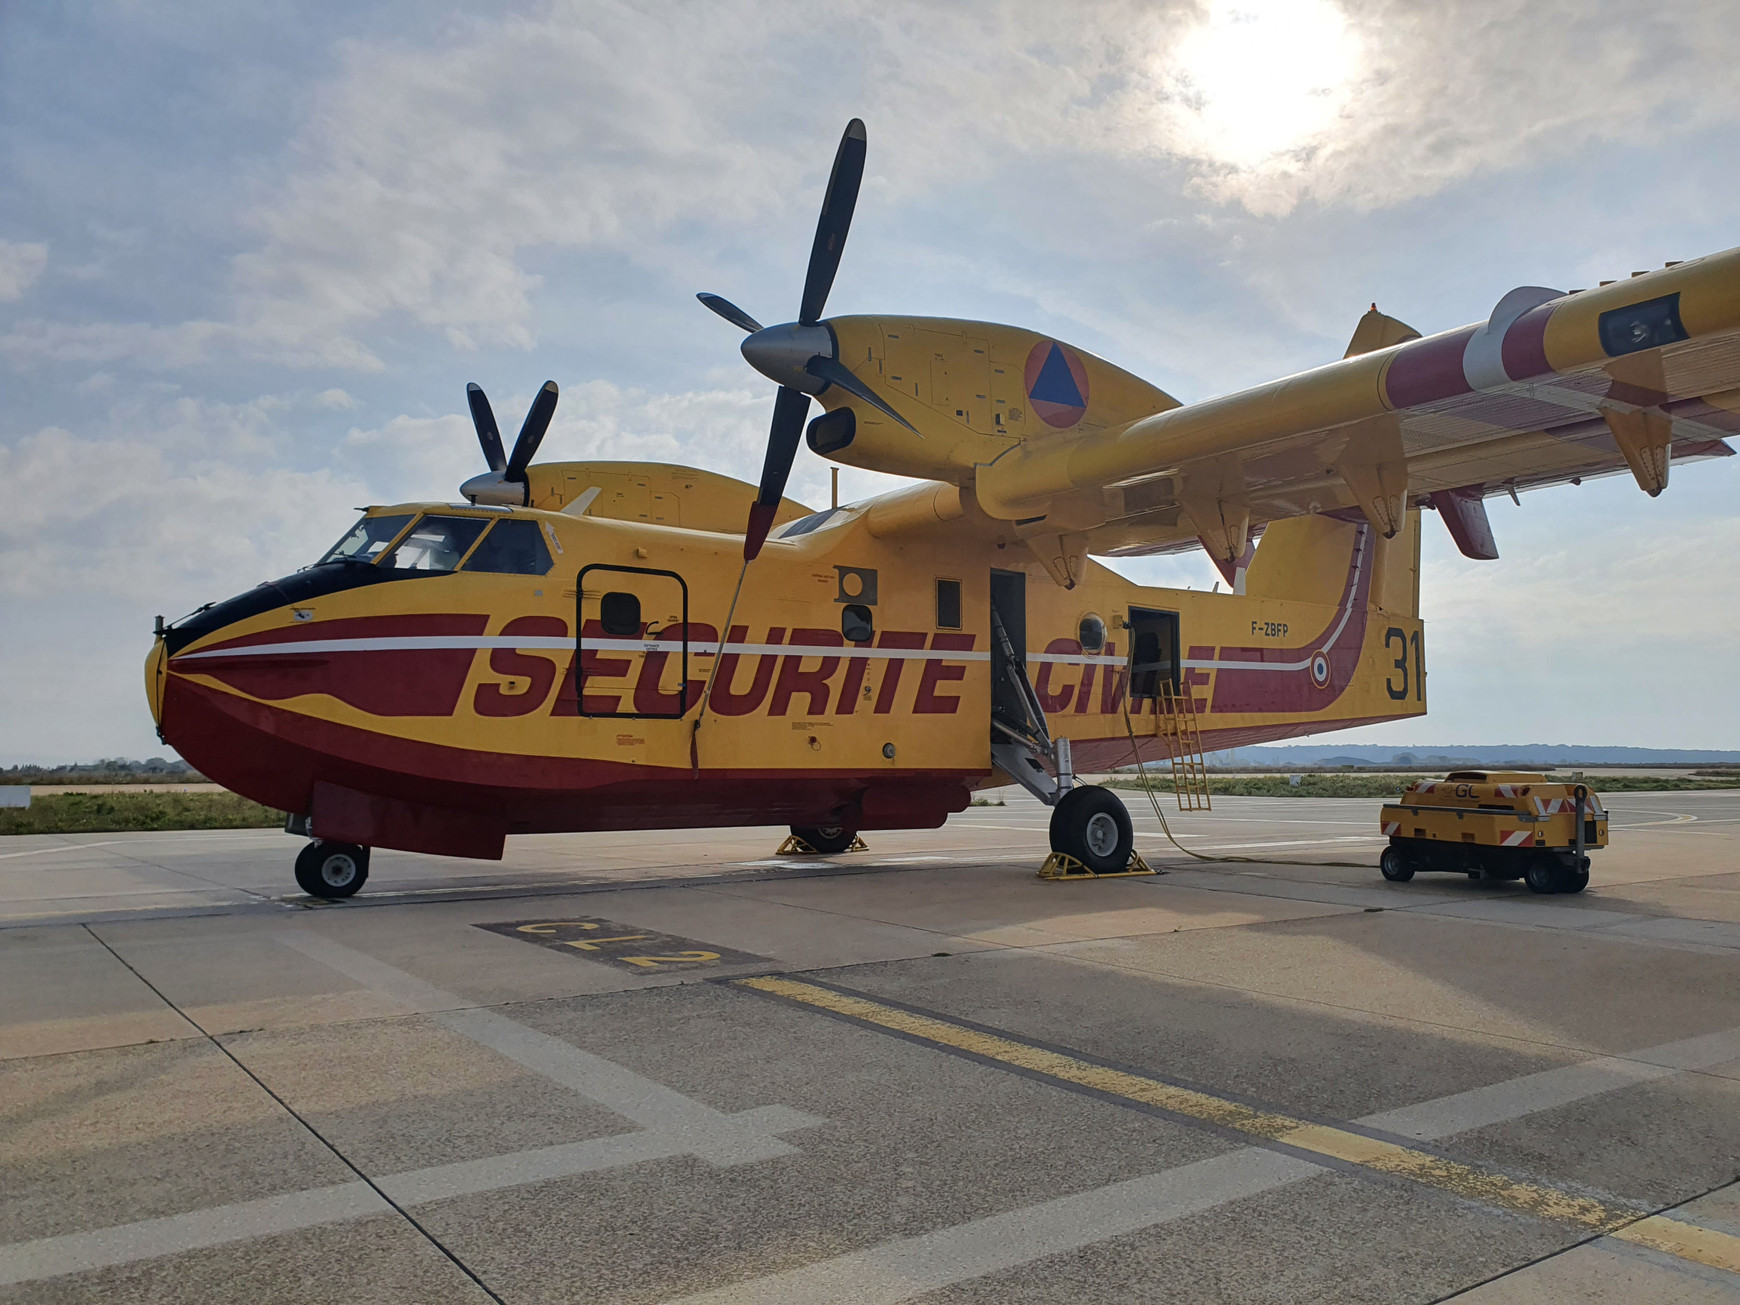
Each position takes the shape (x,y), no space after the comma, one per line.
(1055,384)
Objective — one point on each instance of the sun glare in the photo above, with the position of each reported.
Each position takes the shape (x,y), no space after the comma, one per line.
(1259,79)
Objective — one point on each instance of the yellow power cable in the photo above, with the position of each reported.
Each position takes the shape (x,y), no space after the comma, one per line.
(1142,772)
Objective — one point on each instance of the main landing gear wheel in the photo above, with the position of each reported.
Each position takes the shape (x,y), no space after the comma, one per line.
(1395,866)
(326,869)
(1092,825)
(827,839)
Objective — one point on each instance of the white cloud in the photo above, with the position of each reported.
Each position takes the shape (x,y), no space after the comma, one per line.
(426,178)
(337,399)
(182,344)
(723,430)
(20,265)
(98,519)
(1608,618)
(1284,100)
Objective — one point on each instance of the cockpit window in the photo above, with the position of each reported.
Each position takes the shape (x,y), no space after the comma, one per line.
(511,548)
(367,539)
(435,544)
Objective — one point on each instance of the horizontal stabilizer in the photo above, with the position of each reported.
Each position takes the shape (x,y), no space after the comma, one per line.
(1464,512)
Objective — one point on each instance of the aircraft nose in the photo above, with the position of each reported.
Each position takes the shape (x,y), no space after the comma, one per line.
(780,352)
(155,663)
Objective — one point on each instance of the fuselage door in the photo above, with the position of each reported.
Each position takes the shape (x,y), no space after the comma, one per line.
(1154,660)
(633,658)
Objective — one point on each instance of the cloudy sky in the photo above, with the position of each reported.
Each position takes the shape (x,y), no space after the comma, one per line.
(251,253)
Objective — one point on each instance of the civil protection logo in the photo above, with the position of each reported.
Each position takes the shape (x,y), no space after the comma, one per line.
(1057,383)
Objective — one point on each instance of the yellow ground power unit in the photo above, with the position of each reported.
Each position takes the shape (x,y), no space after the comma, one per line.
(1495,825)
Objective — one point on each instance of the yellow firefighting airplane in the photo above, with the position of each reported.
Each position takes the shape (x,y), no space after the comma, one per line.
(606,645)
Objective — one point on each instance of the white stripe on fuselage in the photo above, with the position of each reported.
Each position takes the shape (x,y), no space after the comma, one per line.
(537,643)
(565,643)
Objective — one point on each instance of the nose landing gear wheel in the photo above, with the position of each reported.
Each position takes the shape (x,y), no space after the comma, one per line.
(1092,825)
(331,870)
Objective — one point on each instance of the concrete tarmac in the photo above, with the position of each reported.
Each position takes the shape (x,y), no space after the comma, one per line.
(677,1068)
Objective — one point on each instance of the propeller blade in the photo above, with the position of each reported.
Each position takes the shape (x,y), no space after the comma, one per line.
(488,434)
(532,433)
(790,408)
(730,312)
(836,219)
(835,372)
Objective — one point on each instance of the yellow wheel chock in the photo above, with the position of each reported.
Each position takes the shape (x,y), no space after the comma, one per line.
(1061,865)
(795,846)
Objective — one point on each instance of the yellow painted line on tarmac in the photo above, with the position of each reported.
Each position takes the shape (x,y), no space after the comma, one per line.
(1688,1241)
(1658,1232)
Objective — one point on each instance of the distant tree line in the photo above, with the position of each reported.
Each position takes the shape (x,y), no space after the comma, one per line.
(108,770)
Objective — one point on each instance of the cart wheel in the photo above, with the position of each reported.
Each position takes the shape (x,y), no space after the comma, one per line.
(1395,866)
(1542,875)
(326,869)
(1574,879)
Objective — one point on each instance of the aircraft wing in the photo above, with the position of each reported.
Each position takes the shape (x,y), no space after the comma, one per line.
(1553,387)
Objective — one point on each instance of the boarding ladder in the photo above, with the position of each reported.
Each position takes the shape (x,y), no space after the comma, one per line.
(1175,722)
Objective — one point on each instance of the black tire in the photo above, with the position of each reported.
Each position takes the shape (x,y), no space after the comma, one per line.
(1395,866)
(1092,825)
(827,839)
(1541,874)
(330,870)
(1574,878)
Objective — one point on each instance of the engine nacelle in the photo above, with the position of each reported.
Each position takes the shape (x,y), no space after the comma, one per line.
(971,391)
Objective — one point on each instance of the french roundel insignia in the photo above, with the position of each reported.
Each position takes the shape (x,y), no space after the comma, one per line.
(1057,384)
(1320,669)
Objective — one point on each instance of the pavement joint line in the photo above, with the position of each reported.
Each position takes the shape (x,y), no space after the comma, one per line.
(1533,1045)
(1684,1240)
(1592,922)
(672,1125)
(316,1134)
(1678,1263)
(47,1257)
(187,910)
(647,1103)
(1302,1138)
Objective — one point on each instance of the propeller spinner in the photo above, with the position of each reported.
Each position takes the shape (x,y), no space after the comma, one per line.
(802,356)
(505,482)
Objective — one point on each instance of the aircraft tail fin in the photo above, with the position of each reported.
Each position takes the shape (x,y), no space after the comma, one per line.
(1306,559)
(1375,331)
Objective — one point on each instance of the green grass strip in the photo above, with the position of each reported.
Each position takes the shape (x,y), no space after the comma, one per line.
(109,813)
